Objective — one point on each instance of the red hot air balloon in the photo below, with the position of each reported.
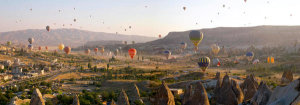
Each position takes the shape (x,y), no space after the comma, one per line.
(95,50)
(46,47)
(159,35)
(67,50)
(132,52)
(40,48)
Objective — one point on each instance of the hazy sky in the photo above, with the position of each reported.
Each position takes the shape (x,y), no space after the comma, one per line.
(146,17)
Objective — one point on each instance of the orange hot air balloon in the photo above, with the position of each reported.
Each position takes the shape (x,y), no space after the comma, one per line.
(132,52)
(40,48)
(67,50)
(46,47)
(95,50)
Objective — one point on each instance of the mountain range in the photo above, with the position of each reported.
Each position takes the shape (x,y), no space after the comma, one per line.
(70,37)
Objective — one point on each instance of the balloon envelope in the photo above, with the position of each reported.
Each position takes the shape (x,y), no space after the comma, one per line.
(183,45)
(196,37)
(215,49)
(203,63)
(48,28)
(40,48)
(132,52)
(95,50)
(61,46)
(167,54)
(30,40)
(67,50)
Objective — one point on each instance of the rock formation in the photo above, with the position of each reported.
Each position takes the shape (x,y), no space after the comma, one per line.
(123,98)
(76,100)
(229,94)
(200,96)
(135,96)
(164,96)
(249,87)
(187,95)
(287,77)
(37,98)
(218,85)
(237,91)
(285,95)
(262,94)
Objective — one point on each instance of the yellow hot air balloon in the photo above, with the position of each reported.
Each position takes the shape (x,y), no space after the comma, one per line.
(215,49)
(272,60)
(196,37)
(61,46)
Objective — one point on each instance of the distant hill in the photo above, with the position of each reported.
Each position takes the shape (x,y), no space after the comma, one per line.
(70,37)
(235,37)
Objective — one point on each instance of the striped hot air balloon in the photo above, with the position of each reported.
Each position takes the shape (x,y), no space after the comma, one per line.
(204,63)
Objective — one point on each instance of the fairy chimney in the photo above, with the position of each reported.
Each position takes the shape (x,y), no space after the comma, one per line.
(164,96)
(37,98)
(123,98)
(200,96)
(249,87)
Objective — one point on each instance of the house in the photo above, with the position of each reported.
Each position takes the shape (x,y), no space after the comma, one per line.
(176,91)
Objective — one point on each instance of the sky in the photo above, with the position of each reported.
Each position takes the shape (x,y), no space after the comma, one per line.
(146,17)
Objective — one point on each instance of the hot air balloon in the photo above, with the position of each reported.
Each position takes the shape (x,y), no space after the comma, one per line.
(30,40)
(132,52)
(184,8)
(67,49)
(159,35)
(183,45)
(8,43)
(30,46)
(40,48)
(125,42)
(216,62)
(61,46)
(129,27)
(133,42)
(167,54)
(270,59)
(215,49)
(204,63)
(102,50)
(223,5)
(245,1)
(249,56)
(95,50)
(46,47)
(196,37)
(74,20)
(87,51)
(48,28)
(255,61)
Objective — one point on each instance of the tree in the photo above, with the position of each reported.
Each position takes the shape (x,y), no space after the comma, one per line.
(89,65)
